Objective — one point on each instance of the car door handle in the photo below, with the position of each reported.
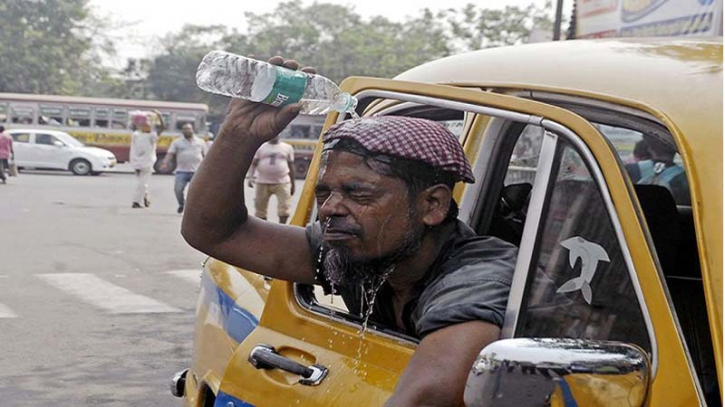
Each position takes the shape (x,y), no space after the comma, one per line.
(266,357)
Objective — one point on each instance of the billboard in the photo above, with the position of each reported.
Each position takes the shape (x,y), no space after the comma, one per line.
(648,18)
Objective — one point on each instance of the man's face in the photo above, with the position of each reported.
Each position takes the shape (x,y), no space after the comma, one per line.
(187,130)
(367,219)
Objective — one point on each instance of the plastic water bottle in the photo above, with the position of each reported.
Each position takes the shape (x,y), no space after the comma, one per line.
(257,81)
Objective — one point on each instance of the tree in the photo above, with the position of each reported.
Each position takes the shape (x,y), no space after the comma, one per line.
(472,28)
(45,46)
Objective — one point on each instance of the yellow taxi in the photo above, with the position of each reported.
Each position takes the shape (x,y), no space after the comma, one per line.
(602,161)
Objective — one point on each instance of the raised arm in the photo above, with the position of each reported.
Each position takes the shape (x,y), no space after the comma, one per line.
(216,220)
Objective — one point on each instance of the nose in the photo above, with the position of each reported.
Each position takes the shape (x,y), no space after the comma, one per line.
(333,206)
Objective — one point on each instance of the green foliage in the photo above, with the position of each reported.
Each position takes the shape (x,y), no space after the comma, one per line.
(40,54)
(43,46)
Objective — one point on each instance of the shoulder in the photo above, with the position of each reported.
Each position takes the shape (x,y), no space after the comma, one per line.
(479,258)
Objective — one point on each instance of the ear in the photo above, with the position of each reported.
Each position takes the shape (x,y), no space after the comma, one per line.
(434,203)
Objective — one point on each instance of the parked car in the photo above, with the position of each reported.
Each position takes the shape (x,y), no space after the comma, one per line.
(57,150)
(617,294)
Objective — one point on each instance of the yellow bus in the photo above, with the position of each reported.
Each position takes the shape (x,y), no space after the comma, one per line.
(104,122)
(99,122)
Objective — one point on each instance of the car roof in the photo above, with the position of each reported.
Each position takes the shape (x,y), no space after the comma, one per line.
(678,78)
(53,132)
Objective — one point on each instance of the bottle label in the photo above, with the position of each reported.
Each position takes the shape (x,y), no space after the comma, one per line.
(289,86)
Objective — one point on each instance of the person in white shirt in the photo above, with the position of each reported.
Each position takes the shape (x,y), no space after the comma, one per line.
(274,167)
(143,158)
(188,151)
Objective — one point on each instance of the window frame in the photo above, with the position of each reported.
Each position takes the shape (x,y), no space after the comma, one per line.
(303,295)
(533,229)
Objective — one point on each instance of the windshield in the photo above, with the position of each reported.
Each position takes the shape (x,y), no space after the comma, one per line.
(69,140)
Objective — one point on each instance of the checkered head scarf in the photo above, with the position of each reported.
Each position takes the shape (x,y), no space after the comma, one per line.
(406,137)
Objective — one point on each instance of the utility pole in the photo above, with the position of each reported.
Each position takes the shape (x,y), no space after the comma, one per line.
(557,19)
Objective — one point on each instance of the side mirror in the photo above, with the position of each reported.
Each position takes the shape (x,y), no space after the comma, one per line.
(527,372)
(58,144)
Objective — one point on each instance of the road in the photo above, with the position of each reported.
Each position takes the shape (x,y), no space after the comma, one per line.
(96,298)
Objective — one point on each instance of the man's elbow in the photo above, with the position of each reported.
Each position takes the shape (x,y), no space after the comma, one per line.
(193,236)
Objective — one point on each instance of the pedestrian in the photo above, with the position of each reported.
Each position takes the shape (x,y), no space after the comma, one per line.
(386,218)
(6,153)
(143,158)
(187,151)
(273,173)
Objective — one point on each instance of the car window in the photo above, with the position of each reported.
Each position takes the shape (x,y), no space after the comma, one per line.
(335,304)
(579,285)
(21,137)
(45,139)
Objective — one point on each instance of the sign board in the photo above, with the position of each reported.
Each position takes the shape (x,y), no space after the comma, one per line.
(648,18)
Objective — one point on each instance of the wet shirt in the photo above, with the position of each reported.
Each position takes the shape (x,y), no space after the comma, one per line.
(273,163)
(188,153)
(469,281)
(143,150)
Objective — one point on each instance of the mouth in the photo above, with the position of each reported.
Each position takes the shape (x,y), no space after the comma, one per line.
(331,235)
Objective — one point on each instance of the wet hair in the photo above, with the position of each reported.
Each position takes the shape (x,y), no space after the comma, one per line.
(416,175)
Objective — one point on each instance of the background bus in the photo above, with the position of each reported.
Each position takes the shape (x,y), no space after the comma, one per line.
(105,123)
(96,121)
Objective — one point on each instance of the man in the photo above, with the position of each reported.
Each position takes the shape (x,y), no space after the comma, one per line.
(6,153)
(387,218)
(660,169)
(143,158)
(273,165)
(188,152)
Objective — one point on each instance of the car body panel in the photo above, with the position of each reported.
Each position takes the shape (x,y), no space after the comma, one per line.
(628,71)
(314,338)
(45,156)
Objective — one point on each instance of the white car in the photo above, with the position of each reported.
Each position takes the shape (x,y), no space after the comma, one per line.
(49,149)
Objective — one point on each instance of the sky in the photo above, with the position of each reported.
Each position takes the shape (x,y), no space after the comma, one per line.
(151,19)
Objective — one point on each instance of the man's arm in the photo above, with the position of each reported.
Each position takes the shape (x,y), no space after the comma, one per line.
(216,220)
(252,171)
(291,165)
(437,372)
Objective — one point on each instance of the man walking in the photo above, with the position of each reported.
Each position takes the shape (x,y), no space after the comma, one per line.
(143,158)
(188,151)
(274,166)
(6,153)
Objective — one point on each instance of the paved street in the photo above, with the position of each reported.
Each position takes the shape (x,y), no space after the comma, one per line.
(96,299)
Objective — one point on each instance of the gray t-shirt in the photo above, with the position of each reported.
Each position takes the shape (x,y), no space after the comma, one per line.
(189,153)
(469,281)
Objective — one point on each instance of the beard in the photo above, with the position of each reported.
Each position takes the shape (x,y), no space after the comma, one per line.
(342,269)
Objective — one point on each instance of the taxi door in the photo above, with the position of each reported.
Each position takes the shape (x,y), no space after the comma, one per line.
(311,356)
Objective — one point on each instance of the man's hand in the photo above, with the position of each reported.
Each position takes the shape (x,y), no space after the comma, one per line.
(292,188)
(257,121)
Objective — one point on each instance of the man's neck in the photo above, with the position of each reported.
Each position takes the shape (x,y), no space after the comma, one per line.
(415,268)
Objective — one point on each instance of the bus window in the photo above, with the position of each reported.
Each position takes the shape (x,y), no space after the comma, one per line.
(299,131)
(22,114)
(79,117)
(3,113)
(167,119)
(181,120)
(101,117)
(120,119)
(51,115)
